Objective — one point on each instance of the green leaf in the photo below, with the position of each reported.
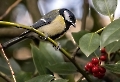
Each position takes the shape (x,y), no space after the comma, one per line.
(114,46)
(118,62)
(42,78)
(117,79)
(105,7)
(60,80)
(23,76)
(115,68)
(78,35)
(110,34)
(39,60)
(45,55)
(69,46)
(52,55)
(89,43)
(5,68)
(63,68)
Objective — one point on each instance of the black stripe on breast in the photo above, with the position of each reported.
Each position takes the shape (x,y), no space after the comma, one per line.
(58,35)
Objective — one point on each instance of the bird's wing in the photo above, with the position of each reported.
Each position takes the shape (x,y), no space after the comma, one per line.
(37,24)
(45,20)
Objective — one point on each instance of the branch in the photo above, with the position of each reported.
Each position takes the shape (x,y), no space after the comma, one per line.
(8,62)
(10,32)
(53,42)
(75,52)
(85,12)
(32,6)
(5,77)
(10,8)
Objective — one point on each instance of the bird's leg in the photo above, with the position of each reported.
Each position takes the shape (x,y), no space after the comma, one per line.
(44,38)
(58,46)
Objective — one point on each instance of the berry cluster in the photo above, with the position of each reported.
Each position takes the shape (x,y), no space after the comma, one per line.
(94,66)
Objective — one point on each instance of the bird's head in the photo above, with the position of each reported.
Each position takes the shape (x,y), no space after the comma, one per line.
(68,17)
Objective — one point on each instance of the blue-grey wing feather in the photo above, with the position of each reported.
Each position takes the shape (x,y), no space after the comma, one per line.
(47,19)
(36,25)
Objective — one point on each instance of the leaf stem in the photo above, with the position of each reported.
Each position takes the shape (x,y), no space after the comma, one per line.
(111,19)
(8,62)
(98,31)
(5,77)
(53,42)
(96,55)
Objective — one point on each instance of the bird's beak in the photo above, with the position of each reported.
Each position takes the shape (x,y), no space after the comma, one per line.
(73,24)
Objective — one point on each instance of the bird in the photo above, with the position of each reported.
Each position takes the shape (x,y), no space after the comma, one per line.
(54,24)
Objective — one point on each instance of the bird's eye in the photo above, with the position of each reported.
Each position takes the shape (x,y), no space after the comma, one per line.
(70,17)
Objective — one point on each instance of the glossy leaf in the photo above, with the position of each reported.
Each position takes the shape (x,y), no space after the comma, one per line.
(42,78)
(114,46)
(60,80)
(117,79)
(23,76)
(62,68)
(78,35)
(45,55)
(39,60)
(89,43)
(110,34)
(105,7)
(115,68)
(5,68)
(50,53)
(69,46)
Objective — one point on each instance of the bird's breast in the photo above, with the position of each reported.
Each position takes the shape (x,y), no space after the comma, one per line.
(55,27)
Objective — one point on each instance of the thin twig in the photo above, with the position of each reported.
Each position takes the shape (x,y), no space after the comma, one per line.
(8,62)
(10,8)
(53,42)
(75,52)
(5,77)
(80,80)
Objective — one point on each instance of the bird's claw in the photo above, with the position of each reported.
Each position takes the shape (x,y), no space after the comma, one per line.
(44,38)
(57,47)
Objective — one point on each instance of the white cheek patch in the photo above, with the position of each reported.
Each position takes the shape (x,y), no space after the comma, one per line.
(66,14)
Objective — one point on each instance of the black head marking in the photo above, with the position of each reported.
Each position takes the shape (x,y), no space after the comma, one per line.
(68,17)
(69,20)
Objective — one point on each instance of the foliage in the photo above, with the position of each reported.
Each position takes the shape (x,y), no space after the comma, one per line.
(48,61)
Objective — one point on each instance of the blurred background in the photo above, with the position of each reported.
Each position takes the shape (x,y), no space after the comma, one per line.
(29,11)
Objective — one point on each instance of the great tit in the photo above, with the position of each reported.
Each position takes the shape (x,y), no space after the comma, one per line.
(54,24)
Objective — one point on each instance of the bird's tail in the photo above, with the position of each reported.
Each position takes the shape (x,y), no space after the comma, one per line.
(12,41)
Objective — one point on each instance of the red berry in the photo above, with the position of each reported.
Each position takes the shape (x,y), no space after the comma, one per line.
(103,53)
(95,60)
(103,57)
(95,69)
(86,68)
(103,50)
(100,75)
(90,65)
(96,74)
(102,69)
